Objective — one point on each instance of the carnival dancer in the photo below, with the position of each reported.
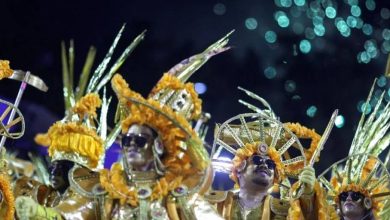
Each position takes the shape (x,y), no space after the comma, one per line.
(78,142)
(358,185)
(164,160)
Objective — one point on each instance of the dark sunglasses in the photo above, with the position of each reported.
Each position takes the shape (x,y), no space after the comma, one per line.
(258,160)
(140,140)
(355,196)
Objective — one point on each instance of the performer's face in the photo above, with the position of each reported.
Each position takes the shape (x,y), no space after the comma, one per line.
(352,204)
(137,147)
(259,173)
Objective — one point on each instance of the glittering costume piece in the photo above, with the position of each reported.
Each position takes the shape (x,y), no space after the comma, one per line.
(262,135)
(167,188)
(81,137)
(362,172)
(7,199)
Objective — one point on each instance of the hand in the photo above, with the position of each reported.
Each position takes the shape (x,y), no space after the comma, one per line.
(308,177)
(25,207)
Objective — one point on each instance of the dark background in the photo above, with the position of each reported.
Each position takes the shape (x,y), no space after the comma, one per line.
(328,77)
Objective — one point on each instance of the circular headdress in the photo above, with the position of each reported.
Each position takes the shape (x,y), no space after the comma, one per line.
(257,133)
(362,173)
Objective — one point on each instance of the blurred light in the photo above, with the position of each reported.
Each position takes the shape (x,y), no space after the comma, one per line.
(382,81)
(359,23)
(370,5)
(385,13)
(219,9)
(305,46)
(282,19)
(353,2)
(311,111)
(270,36)
(290,86)
(286,3)
(299,2)
(309,33)
(200,88)
(296,98)
(386,34)
(355,11)
(364,57)
(298,28)
(330,12)
(367,29)
(346,33)
(363,105)
(319,30)
(295,53)
(310,14)
(251,23)
(317,20)
(386,46)
(359,57)
(295,12)
(341,25)
(315,6)
(270,72)
(351,21)
(339,122)
(370,46)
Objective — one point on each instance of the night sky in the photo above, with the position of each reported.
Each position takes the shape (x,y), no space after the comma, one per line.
(329,76)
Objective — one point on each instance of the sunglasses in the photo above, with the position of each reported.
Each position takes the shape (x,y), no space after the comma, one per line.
(258,160)
(355,196)
(140,140)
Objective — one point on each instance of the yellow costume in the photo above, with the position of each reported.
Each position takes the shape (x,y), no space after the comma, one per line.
(79,139)
(362,171)
(261,133)
(169,190)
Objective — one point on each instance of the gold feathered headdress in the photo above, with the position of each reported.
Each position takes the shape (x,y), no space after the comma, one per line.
(77,137)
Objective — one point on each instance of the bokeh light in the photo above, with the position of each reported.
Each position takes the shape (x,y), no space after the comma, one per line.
(385,13)
(386,34)
(370,5)
(200,87)
(251,23)
(305,46)
(386,46)
(340,121)
(270,72)
(351,21)
(356,11)
(319,30)
(330,12)
(311,111)
(363,105)
(219,9)
(290,86)
(299,2)
(382,81)
(282,19)
(367,29)
(286,3)
(270,36)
